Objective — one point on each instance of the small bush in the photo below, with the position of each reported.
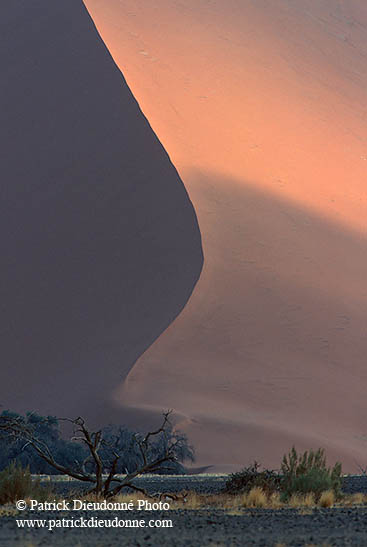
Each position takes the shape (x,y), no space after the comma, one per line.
(16,483)
(309,473)
(251,477)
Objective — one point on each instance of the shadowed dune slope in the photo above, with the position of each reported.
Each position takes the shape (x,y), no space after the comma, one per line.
(100,247)
(262,108)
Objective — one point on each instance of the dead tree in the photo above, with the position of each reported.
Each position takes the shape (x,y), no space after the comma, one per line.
(102,474)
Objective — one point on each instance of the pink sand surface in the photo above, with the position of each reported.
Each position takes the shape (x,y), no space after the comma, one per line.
(262,109)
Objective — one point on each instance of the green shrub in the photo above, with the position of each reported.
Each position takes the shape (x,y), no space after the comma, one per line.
(251,477)
(308,472)
(16,483)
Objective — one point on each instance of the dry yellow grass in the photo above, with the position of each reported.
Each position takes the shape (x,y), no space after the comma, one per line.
(232,502)
(358,499)
(235,512)
(302,500)
(309,500)
(327,499)
(127,498)
(193,501)
(305,511)
(120,498)
(8,511)
(256,498)
(295,500)
(274,501)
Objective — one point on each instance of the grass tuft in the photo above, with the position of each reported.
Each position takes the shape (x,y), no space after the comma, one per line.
(302,500)
(256,498)
(193,501)
(275,501)
(358,499)
(17,483)
(327,499)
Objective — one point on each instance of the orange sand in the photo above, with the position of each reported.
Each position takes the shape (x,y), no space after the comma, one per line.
(262,109)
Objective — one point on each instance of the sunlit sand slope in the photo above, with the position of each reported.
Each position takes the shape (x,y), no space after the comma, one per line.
(100,247)
(262,108)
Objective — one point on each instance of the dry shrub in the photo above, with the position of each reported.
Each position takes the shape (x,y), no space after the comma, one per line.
(327,499)
(250,477)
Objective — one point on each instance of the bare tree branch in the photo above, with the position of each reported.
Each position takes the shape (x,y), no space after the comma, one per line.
(21,429)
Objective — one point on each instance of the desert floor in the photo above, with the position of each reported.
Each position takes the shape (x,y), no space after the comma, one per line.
(266,527)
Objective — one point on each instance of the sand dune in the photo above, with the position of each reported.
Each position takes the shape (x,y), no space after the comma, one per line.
(100,247)
(262,108)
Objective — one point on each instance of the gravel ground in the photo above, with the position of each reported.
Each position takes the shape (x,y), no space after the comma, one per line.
(355,483)
(260,527)
(252,527)
(204,484)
